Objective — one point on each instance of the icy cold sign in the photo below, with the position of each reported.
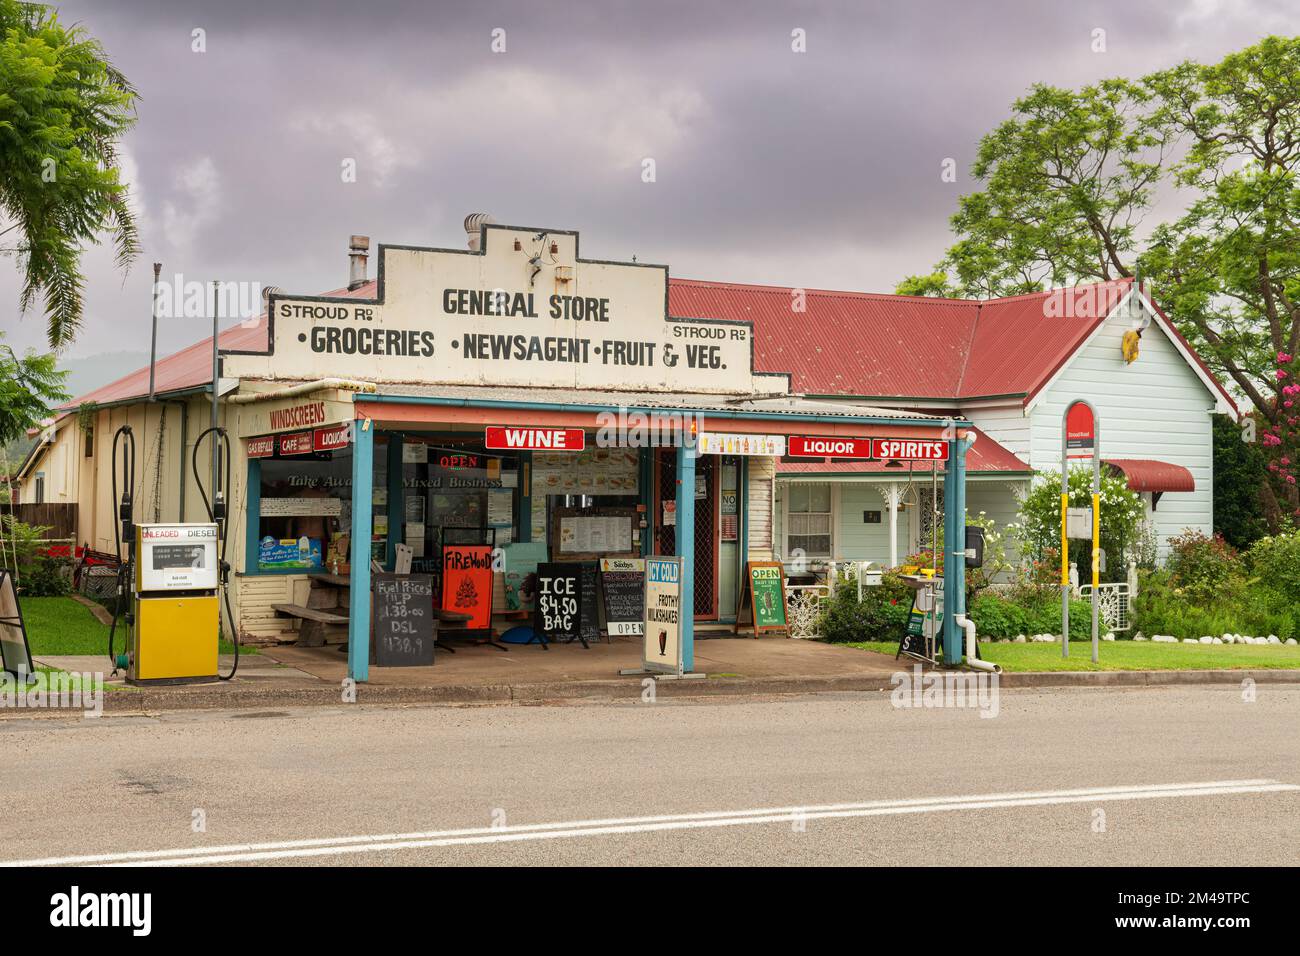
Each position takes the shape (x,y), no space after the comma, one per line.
(522,316)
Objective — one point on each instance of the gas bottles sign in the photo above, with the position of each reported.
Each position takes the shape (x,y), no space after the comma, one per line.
(662,641)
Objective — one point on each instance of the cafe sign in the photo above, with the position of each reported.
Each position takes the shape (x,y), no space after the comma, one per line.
(525,311)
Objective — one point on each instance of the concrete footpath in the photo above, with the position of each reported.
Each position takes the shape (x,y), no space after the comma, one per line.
(290,676)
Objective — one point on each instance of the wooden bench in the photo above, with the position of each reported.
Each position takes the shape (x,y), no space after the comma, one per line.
(318,624)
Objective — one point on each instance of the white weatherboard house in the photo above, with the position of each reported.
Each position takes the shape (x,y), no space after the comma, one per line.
(1011,367)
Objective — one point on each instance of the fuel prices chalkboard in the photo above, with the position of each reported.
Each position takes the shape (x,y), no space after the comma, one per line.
(403,620)
(762,603)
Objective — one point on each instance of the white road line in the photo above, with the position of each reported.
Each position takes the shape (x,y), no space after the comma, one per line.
(371,843)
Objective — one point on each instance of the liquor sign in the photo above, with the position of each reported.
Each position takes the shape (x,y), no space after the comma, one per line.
(812,446)
(334,437)
(909,449)
(499,438)
(1080,431)
(661,647)
(296,443)
(728,443)
(263,447)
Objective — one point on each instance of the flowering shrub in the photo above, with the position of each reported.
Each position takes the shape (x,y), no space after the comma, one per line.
(1039,528)
(881,615)
(1204,568)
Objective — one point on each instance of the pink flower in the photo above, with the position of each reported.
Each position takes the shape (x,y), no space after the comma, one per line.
(1290,479)
(1280,373)
(1283,358)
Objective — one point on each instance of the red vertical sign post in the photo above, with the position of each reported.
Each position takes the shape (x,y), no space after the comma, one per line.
(1080,438)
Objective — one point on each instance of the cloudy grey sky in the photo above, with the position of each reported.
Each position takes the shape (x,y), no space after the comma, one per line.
(819,169)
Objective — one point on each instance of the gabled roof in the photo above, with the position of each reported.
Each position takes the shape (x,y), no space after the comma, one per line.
(909,347)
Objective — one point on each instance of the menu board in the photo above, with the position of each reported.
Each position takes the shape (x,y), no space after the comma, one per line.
(403,620)
(594,533)
(557,609)
(589,605)
(622,581)
(595,471)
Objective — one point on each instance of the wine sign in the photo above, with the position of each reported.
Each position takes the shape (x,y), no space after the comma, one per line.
(403,620)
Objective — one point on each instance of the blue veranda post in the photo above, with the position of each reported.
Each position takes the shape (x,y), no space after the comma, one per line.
(685,538)
(954,545)
(363,463)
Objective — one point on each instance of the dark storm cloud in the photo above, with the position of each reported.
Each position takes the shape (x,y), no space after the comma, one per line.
(819,169)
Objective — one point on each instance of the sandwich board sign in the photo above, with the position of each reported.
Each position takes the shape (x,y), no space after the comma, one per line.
(15,652)
(661,644)
(762,599)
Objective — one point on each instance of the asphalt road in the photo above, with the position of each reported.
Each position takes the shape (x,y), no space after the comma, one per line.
(1123,777)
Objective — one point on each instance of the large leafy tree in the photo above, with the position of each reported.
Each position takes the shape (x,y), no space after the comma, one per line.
(1069,179)
(28,387)
(63,108)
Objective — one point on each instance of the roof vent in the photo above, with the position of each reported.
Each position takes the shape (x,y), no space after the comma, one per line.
(474,223)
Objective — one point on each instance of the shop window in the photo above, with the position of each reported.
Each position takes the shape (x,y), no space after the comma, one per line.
(305,512)
(808,519)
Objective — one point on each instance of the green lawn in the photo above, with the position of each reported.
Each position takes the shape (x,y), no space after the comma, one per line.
(1127,656)
(60,625)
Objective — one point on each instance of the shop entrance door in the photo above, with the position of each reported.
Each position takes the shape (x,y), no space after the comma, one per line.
(706,525)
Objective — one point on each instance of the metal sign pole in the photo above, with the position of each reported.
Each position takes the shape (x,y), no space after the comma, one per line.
(1096,528)
(1065,541)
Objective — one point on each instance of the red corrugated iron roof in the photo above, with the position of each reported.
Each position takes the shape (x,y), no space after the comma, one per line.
(853,343)
(192,367)
(1148,474)
(985,455)
(831,343)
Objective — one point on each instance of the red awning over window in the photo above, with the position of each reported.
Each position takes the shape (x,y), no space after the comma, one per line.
(1147,474)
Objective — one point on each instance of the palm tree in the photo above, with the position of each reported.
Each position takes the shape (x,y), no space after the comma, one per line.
(63,108)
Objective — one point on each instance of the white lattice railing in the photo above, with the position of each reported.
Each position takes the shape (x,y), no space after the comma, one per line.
(804,605)
(1113,604)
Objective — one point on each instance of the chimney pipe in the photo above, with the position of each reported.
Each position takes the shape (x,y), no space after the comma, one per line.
(358,253)
(473,227)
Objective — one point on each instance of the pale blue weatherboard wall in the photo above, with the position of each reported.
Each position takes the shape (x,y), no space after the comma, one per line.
(1155,408)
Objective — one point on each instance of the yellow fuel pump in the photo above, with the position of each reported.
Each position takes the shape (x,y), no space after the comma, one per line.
(171,584)
(175,604)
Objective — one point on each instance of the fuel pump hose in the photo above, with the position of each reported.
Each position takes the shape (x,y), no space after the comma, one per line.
(123,533)
(216,508)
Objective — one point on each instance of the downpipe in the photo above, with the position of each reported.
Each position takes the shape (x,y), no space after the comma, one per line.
(967,625)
